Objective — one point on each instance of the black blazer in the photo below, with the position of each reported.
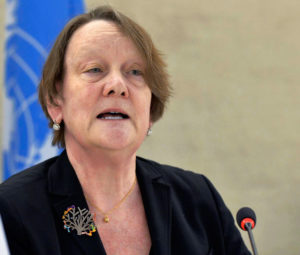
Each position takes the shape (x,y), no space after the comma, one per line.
(185,213)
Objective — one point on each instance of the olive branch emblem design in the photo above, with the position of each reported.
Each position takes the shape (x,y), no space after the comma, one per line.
(80,220)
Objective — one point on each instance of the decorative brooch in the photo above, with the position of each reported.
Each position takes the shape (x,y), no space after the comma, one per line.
(80,220)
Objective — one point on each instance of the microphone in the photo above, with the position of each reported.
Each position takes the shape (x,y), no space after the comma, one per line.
(246,220)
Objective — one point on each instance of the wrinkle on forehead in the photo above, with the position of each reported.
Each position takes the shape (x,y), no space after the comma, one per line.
(91,34)
(95,38)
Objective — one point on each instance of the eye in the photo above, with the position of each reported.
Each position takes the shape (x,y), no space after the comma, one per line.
(94,70)
(136,72)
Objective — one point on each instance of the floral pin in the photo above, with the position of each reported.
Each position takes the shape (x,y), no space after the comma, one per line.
(80,220)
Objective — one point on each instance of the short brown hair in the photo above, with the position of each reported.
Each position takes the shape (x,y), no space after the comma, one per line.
(53,72)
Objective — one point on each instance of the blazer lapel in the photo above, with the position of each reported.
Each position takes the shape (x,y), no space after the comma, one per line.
(65,191)
(157,203)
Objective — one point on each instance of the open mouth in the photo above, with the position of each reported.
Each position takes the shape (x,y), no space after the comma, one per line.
(112,116)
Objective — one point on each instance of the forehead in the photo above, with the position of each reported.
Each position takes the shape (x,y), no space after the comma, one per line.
(96,28)
(97,35)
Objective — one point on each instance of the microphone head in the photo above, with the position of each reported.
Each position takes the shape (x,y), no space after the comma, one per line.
(246,215)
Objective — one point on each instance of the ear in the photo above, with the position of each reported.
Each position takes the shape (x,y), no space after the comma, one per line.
(55,110)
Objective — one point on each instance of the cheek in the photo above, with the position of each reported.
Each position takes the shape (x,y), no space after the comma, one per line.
(149,100)
(80,94)
(79,104)
(145,104)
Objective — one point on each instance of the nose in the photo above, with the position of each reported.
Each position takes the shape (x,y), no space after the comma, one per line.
(115,85)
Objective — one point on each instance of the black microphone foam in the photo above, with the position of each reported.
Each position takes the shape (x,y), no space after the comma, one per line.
(244,213)
(246,219)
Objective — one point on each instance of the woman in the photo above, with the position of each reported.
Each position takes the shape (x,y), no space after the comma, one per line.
(103,85)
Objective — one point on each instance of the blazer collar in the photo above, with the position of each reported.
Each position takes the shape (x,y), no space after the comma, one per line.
(62,179)
(66,191)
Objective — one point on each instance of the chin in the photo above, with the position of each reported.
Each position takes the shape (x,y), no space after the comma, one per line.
(117,138)
(113,142)
(131,144)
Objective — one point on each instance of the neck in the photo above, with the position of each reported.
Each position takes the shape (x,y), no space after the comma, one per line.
(105,177)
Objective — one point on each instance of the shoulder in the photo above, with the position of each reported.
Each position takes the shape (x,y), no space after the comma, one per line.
(24,207)
(179,179)
(22,193)
(27,182)
(167,170)
(194,197)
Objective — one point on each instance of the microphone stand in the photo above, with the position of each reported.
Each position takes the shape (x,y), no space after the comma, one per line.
(248,226)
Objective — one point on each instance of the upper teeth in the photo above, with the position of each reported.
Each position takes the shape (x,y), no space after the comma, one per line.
(112,117)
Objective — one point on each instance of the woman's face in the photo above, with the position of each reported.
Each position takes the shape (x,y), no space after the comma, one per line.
(105,99)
